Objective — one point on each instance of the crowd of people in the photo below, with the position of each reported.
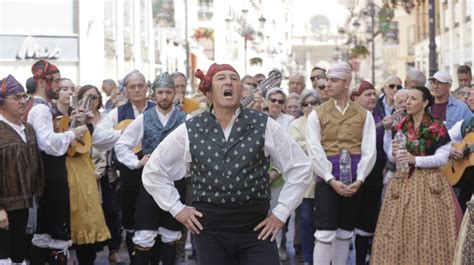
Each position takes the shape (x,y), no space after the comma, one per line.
(353,166)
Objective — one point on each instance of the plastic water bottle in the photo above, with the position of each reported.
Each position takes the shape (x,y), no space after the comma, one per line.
(345,173)
(402,141)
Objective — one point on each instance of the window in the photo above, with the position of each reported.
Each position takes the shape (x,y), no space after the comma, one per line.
(205,8)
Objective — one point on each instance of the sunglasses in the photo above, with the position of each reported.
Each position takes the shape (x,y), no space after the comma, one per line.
(309,103)
(322,87)
(316,77)
(392,86)
(280,101)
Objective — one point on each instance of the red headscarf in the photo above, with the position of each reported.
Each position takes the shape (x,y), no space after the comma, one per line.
(363,86)
(206,80)
(43,68)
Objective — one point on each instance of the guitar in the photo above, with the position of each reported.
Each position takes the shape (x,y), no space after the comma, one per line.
(455,169)
(264,86)
(121,126)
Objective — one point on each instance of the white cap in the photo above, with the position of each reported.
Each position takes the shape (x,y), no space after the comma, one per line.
(341,70)
(442,76)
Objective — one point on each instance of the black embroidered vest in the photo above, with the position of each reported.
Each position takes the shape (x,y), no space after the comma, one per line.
(232,172)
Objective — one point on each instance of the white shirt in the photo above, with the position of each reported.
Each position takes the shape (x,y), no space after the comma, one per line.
(284,120)
(20,129)
(169,161)
(104,139)
(51,143)
(455,132)
(322,166)
(133,136)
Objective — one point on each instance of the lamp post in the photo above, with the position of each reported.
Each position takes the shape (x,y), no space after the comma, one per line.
(371,10)
(432,55)
(245,31)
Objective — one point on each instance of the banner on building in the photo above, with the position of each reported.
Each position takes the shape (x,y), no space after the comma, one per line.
(389,30)
(163,13)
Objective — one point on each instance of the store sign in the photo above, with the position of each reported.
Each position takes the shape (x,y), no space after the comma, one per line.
(30,49)
(19,48)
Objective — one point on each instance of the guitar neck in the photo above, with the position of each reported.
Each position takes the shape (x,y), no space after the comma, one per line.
(247,100)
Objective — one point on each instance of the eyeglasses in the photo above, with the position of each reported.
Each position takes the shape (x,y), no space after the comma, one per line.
(322,87)
(316,77)
(280,101)
(93,97)
(464,94)
(309,104)
(19,97)
(392,86)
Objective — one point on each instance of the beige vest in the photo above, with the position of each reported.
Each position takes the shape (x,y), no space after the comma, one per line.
(341,131)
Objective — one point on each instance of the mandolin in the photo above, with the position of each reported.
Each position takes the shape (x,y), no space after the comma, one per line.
(83,145)
(121,126)
(454,169)
(264,86)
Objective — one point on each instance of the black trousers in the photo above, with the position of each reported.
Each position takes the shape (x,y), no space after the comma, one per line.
(53,215)
(234,248)
(12,241)
(129,186)
(333,211)
(111,208)
(149,216)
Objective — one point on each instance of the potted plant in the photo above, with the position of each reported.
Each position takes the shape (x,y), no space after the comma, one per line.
(359,51)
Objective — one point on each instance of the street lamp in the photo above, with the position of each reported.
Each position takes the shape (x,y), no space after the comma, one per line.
(371,10)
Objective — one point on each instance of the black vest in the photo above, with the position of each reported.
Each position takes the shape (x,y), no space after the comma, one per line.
(232,172)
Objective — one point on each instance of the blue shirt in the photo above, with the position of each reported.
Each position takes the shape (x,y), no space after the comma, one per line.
(456,111)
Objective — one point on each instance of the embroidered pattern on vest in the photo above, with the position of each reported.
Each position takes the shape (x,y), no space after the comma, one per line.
(153,130)
(232,172)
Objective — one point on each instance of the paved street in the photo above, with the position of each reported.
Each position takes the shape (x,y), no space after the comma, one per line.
(102,259)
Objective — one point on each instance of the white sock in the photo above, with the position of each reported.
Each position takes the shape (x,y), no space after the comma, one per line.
(322,253)
(340,251)
(5,261)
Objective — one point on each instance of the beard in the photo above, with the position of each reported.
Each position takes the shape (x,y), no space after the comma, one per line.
(165,105)
(52,94)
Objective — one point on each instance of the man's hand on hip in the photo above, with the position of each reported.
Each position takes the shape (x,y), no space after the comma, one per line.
(187,217)
(270,226)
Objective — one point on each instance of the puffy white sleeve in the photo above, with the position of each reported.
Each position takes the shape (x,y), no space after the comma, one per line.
(51,143)
(131,137)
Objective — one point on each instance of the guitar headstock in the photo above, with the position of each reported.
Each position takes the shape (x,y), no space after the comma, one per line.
(268,83)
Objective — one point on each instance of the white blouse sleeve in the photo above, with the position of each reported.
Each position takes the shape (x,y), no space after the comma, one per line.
(167,164)
(439,158)
(51,143)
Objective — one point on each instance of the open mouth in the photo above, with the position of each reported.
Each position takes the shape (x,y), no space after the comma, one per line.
(228,93)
